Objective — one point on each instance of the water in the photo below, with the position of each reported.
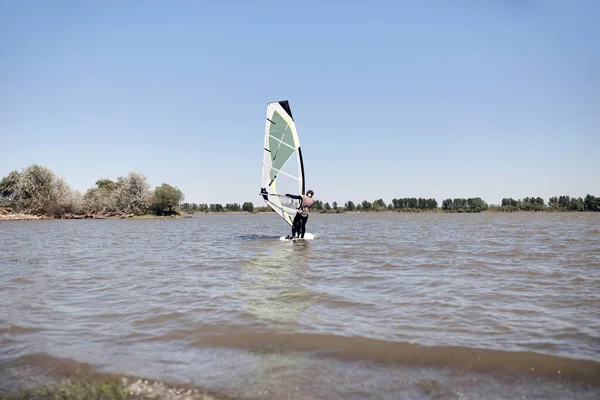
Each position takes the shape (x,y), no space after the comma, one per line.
(381,306)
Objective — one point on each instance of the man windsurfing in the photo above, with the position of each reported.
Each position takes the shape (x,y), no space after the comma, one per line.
(299,223)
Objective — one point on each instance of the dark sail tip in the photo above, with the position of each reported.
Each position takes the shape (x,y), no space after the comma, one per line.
(286,106)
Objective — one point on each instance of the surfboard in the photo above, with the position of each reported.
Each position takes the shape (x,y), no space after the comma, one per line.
(282,166)
(307,236)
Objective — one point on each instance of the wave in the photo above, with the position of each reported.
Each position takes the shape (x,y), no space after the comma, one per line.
(406,353)
(15,329)
(257,237)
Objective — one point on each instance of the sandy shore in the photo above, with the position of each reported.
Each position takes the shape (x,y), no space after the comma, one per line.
(8,217)
(27,217)
(163,391)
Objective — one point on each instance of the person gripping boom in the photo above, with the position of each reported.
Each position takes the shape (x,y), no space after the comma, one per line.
(299,223)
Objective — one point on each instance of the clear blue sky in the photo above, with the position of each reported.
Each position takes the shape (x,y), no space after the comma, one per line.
(392,99)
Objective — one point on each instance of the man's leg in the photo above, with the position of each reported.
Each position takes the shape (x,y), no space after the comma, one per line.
(298,225)
(295,226)
(304,219)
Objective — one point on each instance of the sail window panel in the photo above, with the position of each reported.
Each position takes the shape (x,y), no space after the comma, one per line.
(280,153)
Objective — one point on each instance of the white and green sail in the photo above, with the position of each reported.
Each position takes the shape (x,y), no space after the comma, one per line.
(282,168)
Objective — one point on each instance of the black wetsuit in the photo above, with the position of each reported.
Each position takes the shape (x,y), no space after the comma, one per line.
(299,223)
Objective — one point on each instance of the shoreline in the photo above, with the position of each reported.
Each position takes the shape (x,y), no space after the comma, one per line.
(31,217)
(39,375)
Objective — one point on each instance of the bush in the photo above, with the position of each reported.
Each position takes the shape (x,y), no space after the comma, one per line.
(248,206)
(166,197)
(37,190)
(133,194)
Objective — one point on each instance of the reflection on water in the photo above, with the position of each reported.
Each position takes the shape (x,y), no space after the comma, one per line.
(274,288)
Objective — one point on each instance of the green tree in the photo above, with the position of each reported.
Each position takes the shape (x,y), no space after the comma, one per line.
(248,206)
(564,201)
(460,204)
(8,185)
(102,199)
(33,191)
(106,184)
(39,191)
(166,197)
(447,205)
(67,199)
(367,205)
(350,206)
(509,204)
(576,204)
(335,205)
(379,205)
(591,203)
(327,207)
(133,194)
(233,207)
(216,208)
(432,204)
(476,205)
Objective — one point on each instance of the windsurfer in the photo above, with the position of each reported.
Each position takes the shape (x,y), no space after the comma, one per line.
(299,224)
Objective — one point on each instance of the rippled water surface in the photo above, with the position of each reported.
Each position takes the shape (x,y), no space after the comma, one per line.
(376,306)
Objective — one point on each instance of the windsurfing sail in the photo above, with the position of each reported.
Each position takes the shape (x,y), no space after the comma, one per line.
(282,168)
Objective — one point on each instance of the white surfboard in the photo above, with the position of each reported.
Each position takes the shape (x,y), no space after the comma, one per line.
(307,236)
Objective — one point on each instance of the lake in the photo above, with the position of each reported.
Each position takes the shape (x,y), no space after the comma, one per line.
(377,306)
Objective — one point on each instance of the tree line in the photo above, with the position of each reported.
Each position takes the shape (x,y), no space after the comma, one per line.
(229,207)
(37,190)
(475,204)
(560,203)
(408,204)
(457,205)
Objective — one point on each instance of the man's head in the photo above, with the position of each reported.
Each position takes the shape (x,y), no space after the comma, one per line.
(310,193)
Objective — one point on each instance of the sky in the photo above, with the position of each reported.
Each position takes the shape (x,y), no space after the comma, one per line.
(391,99)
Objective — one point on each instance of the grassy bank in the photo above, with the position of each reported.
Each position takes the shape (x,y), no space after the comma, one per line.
(111,388)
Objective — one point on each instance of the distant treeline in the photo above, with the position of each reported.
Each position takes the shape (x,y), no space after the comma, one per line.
(37,190)
(561,203)
(377,205)
(458,205)
(464,205)
(229,207)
